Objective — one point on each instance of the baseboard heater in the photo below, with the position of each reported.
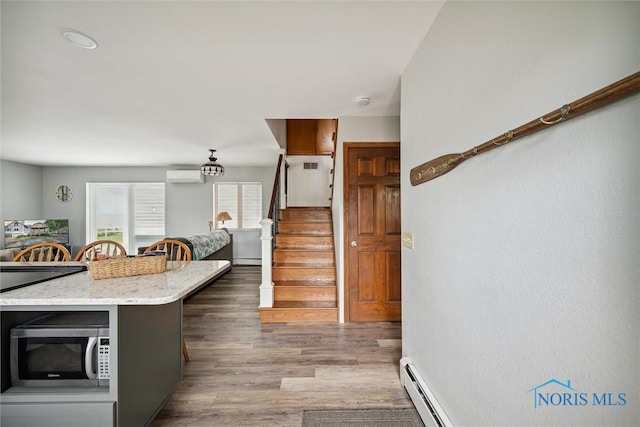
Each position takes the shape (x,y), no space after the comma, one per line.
(423,399)
(257,262)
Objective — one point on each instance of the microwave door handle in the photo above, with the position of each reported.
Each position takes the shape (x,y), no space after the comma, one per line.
(88,358)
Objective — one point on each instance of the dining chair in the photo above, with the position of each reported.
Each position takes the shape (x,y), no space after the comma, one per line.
(175,251)
(107,247)
(40,252)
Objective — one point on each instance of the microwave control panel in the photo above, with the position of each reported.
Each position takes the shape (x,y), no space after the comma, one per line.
(103,358)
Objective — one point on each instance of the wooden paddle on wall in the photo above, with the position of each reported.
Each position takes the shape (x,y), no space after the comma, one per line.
(614,92)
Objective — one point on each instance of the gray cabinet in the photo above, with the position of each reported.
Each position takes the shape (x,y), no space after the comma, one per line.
(59,414)
(146,365)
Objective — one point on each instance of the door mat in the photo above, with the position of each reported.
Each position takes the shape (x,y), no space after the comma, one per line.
(383,417)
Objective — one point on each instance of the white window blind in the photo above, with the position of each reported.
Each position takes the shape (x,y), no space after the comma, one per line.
(149,209)
(130,213)
(251,205)
(243,201)
(226,199)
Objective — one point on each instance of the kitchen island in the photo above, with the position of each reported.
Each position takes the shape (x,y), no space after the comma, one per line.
(145,331)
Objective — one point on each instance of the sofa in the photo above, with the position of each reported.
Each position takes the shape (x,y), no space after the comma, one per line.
(213,245)
(7,255)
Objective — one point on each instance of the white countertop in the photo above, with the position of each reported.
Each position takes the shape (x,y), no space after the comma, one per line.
(150,289)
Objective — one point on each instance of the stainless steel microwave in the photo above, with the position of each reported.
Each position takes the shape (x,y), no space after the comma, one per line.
(62,349)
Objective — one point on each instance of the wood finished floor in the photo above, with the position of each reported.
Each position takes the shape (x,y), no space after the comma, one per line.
(243,373)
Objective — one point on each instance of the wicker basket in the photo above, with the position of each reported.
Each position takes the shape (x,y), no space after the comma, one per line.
(125,266)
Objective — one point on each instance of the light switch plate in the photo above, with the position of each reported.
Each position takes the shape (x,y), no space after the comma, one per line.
(407,240)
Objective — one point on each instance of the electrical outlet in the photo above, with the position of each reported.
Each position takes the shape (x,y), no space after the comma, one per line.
(407,240)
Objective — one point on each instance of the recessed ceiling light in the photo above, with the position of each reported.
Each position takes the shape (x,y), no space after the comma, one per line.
(78,39)
(362,100)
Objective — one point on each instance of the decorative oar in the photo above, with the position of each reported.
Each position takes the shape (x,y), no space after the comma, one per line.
(614,92)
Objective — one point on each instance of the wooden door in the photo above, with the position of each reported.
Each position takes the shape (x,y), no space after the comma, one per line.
(373,233)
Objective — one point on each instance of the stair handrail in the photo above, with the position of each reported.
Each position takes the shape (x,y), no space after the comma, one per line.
(333,166)
(275,193)
(333,177)
(276,197)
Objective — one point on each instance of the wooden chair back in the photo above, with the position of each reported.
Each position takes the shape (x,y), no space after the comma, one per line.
(41,252)
(108,247)
(175,249)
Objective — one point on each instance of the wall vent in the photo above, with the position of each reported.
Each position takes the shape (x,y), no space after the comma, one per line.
(309,165)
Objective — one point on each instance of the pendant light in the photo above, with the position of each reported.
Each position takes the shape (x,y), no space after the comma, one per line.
(212,167)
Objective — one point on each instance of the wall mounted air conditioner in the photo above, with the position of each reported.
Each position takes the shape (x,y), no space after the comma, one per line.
(185,177)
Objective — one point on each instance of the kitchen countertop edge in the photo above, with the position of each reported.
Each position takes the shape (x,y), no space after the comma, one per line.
(150,289)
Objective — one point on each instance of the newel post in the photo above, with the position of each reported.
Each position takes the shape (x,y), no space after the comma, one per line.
(266,288)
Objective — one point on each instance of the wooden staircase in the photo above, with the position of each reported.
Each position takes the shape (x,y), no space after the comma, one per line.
(304,272)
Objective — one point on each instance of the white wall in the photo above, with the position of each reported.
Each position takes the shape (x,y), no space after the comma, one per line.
(526,259)
(309,187)
(354,129)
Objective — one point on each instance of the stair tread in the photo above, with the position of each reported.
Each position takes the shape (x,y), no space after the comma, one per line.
(304,268)
(303,245)
(294,246)
(306,241)
(310,281)
(301,211)
(305,237)
(301,283)
(298,234)
(302,228)
(303,255)
(289,236)
(303,250)
(304,304)
(311,220)
(305,215)
(304,264)
(299,294)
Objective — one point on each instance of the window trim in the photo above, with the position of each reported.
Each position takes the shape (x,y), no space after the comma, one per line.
(239,203)
(129,238)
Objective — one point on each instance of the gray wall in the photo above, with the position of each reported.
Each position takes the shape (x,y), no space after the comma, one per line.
(20,191)
(28,191)
(526,260)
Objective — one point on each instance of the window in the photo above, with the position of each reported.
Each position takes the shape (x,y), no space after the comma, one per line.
(243,201)
(129,213)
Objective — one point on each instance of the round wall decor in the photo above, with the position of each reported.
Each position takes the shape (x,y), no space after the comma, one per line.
(64,193)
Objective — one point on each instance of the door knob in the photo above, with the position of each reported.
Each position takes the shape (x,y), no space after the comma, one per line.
(354,243)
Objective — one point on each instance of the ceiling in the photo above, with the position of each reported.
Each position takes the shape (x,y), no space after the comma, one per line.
(171,79)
